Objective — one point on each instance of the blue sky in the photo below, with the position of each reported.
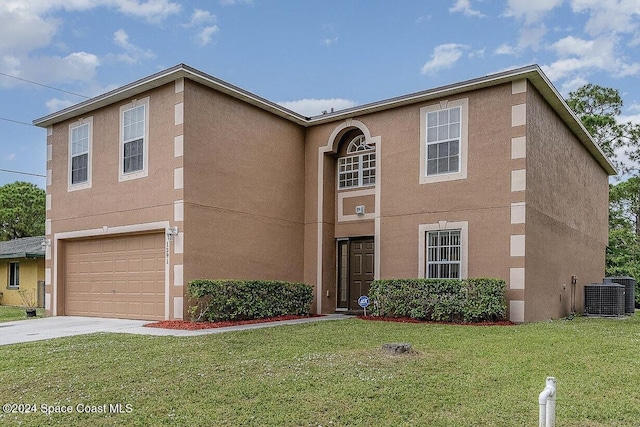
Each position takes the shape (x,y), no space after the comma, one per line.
(308,55)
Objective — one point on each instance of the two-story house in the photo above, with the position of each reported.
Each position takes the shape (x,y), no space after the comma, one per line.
(180,176)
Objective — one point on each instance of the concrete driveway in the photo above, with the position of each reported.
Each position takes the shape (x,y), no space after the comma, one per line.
(66,326)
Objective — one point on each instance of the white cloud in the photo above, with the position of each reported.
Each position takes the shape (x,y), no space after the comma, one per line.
(206,35)
(132,53)
(505,49)
(609,16)
(464,7)
(201,17)
(313,107)
(57,104)
(328,41)
(234,2)
(443,57)
(531,11)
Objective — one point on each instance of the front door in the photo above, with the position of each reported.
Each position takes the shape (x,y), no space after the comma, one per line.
(355,271)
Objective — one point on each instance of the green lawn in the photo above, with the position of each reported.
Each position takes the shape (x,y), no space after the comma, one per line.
(9,313)
(334,373)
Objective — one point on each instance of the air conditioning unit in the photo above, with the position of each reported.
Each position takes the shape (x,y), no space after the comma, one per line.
(604,299)
(629,284)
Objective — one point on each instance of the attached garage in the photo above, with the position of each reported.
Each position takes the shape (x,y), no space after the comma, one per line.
(121,277)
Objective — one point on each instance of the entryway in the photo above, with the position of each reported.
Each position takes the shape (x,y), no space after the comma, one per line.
(356,258)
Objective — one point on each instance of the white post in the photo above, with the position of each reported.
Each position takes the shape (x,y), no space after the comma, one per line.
(547,401)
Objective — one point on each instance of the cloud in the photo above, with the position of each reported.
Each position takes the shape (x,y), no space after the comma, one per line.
(443,57)
(464,7)
(609,16)
(234,2)
(530,11)
(205,36)
(132,53)
(505,49)
(313,107)
(200,17)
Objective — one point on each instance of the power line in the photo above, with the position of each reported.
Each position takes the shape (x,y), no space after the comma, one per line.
(23,173)
(18,122)
(43,85)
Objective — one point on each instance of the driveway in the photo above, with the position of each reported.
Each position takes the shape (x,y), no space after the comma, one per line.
(66,326)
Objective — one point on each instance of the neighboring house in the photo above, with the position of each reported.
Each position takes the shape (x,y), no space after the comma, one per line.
(22,266)
(180,176)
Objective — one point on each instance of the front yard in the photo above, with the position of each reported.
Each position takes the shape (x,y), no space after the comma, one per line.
(331,373)
(10,313)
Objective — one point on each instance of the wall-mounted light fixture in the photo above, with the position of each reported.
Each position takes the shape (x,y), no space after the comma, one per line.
(172,231)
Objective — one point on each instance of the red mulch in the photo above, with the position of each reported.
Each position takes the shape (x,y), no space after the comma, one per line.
(192,326)
(410,320)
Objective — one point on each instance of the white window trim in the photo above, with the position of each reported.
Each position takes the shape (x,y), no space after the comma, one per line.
(145,141)
(464,141)
(423,229)
(87,183)
(9,285)
(353,151)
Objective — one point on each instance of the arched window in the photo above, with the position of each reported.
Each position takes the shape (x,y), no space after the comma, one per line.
(357,170)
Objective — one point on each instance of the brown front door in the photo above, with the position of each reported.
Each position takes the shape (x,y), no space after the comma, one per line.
(355,271)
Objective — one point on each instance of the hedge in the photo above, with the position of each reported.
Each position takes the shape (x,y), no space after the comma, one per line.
(219,300)
(453,300)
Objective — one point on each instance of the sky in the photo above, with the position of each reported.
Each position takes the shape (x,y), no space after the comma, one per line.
(309,56)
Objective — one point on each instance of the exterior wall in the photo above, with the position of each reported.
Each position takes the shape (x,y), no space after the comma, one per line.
(110,206)
(566,214)
(31,271)
(244,190)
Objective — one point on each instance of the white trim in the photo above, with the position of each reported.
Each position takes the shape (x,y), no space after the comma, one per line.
(178,243)
(519,147)
(517,245)
(516,278)
(106,231)
(518,115)
(47,301)
(178,113)
(178,146)
(518,213)
(178,275)
(49,133)
(179,85)
(518,86)
(178,178)
(145,159)
(47,226)
(178,210)
(49,150)
(349,194)
(516,311)
(519,180)
(178,307)
(464,141)
(463,226)
(48,202)
(49,178)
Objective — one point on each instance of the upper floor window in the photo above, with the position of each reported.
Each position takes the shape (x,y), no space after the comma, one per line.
(357,170)
(134,140)
(444,141)
(80,138)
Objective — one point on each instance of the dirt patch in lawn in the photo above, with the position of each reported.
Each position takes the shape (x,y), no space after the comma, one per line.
(192,326)
(410,320)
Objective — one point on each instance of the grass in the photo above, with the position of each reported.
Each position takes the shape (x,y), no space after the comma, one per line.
(10,313)
(334,373)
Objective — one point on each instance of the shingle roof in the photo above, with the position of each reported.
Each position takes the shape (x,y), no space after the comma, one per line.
(26,247)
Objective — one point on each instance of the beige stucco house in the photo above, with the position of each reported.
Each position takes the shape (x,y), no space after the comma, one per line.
(181,175)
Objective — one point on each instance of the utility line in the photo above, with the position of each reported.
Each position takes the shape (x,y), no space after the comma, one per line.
(23,173)
(18,122)
(43,85)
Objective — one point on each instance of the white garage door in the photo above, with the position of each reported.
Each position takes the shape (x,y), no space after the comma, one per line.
(120,277)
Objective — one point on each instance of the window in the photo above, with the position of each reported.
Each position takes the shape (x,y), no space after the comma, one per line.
(444,254)
(80,139)
(14,275)
(443,141)
(357,170)
(134,144)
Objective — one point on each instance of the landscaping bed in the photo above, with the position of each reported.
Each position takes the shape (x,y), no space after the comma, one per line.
(193,326)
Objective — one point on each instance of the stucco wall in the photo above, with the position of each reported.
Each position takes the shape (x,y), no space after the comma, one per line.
(566,214)
(31,271)
(244,190)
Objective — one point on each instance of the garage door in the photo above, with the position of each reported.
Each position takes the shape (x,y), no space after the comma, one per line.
(120,277)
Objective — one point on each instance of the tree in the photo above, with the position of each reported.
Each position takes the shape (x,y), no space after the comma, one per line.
(22,210)
(599,108)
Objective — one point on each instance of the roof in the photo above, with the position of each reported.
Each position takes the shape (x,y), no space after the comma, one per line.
(533,73)
(25,247)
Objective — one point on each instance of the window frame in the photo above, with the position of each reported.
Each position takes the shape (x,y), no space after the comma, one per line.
(13,271)
(364,156)
(463,104)
(440,247)
(144,172)
(423,232)
(88,121)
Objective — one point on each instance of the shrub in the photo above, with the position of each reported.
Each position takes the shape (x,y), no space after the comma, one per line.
(218,300)
(453,300)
